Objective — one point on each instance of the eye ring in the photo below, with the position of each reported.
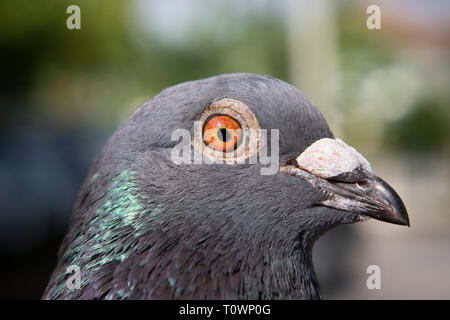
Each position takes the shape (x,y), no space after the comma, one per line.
(249,142)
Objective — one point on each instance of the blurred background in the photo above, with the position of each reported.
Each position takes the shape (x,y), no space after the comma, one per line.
(386,92)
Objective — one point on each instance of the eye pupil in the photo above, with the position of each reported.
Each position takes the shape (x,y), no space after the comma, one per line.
(223,134)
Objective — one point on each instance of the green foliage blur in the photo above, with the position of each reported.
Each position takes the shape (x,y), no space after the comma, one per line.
(97,76)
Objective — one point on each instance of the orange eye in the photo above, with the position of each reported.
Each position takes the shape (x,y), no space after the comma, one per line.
(222,133)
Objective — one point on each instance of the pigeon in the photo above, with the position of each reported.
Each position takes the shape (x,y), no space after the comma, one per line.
(212,220)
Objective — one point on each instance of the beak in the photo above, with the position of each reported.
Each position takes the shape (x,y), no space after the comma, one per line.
(349,185)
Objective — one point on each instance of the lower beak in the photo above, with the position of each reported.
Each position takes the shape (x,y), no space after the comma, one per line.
(369,197)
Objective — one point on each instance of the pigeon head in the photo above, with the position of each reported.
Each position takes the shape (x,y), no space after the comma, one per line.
(183,201)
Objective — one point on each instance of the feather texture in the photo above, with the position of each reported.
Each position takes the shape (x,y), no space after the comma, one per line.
(145,228)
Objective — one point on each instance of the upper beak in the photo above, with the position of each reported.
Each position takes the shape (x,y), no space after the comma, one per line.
(371,196)
(350,184)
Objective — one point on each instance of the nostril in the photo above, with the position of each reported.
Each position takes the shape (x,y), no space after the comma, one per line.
(292,162)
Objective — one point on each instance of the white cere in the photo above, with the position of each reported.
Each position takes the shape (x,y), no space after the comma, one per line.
(328,158)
